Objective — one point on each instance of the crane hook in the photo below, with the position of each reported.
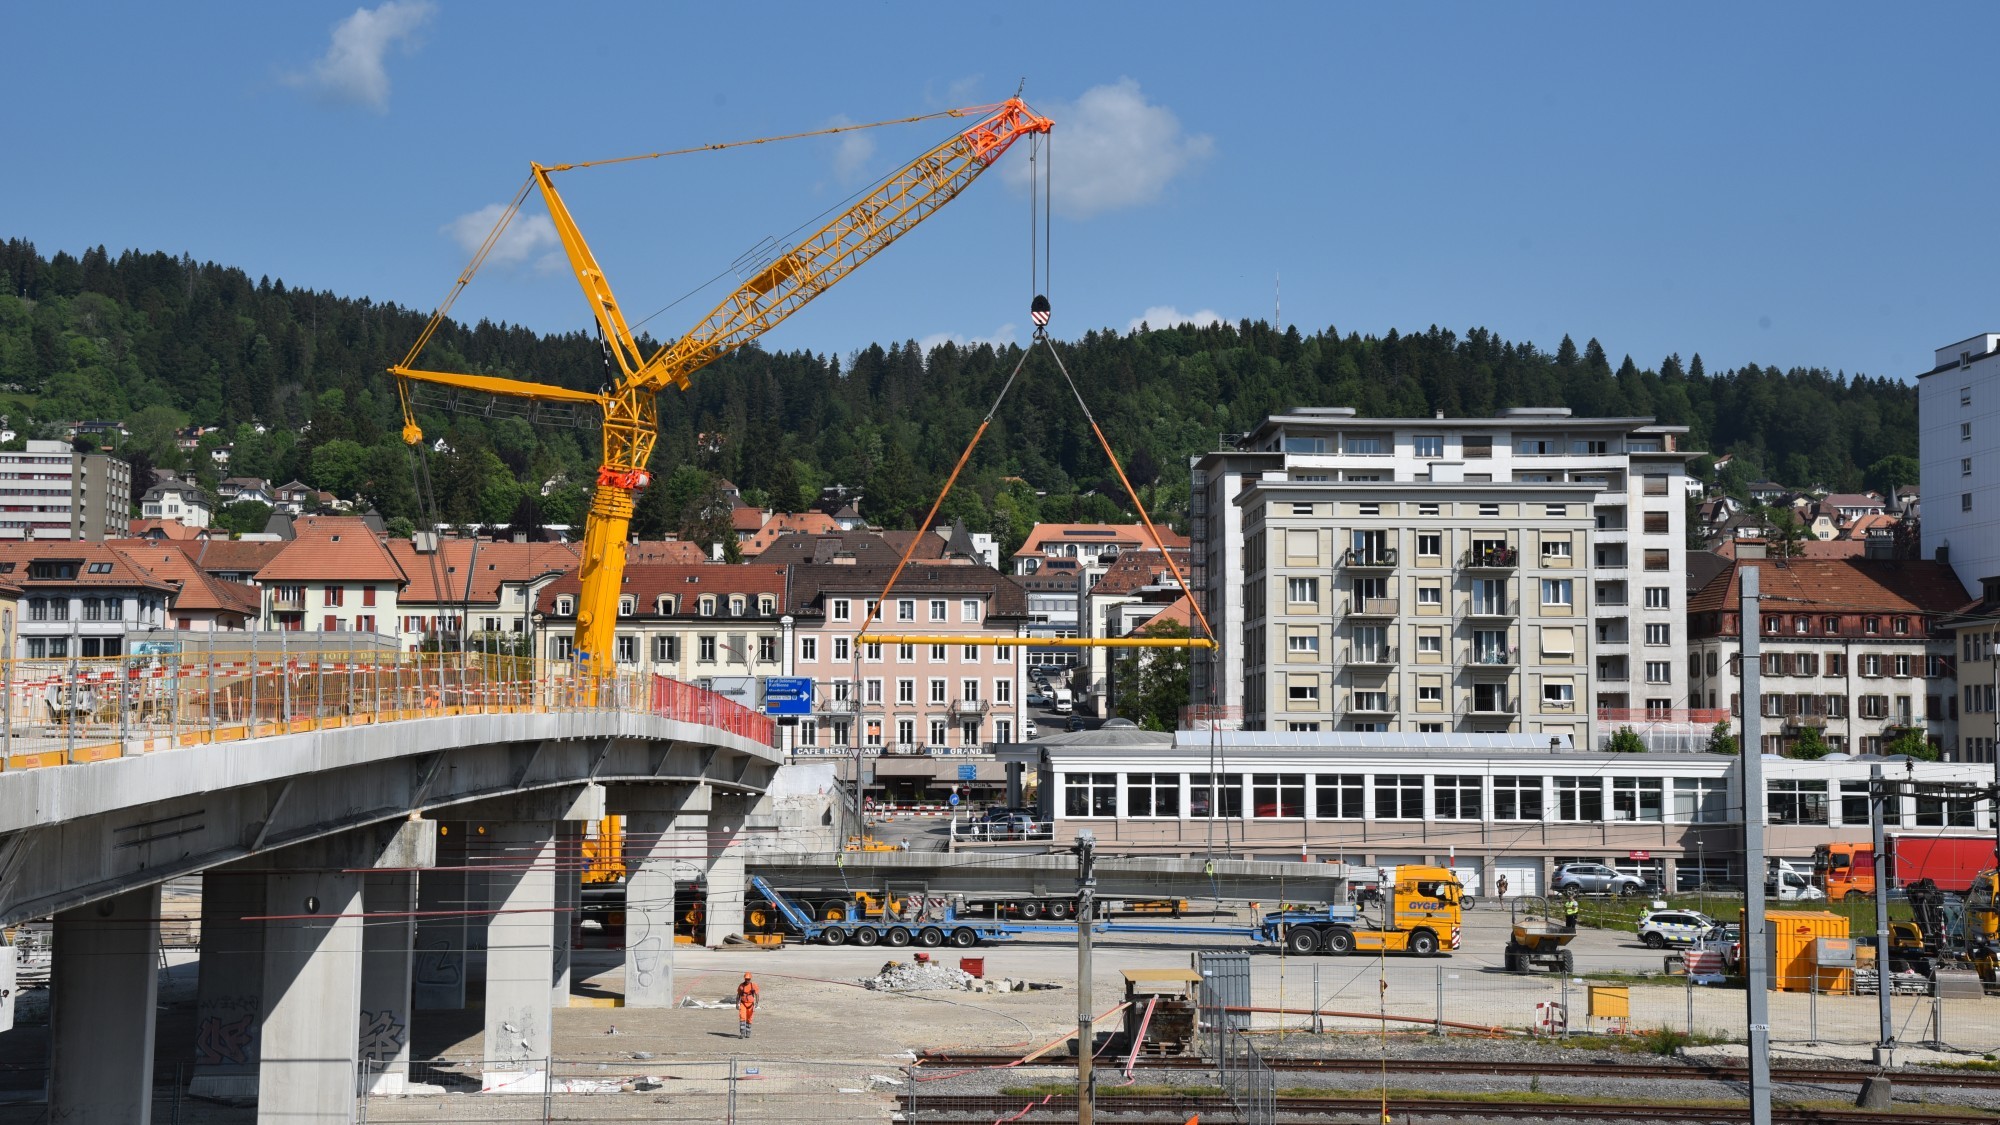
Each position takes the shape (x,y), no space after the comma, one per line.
(1038,311)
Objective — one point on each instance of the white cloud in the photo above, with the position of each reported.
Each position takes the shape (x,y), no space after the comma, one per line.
(1167,316)
(852,152)
(527,237)
(1112,148)
(352,69)
(1000,337)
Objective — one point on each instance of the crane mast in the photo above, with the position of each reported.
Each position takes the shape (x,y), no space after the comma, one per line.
(630,410)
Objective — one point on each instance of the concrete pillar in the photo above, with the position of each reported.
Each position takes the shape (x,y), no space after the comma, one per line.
(230,991)
(103,988)
(439,975)
(727,881)
(388,964)
(666,841)
(568,908)
(313,966)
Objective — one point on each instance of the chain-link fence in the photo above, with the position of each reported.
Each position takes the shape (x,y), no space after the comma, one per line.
(745,1090)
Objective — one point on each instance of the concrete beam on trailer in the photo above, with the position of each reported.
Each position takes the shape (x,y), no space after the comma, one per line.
(1240,880)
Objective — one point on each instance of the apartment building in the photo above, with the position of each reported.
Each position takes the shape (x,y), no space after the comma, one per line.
(1426,606)
(50,491)
(334,575)
(200,603)
(478,588)
(1958,448)
(1633,470)
(703,623)
(1132,592)
(1856,650)
(80,599)
(171,498)
(1059,563)
(907,698)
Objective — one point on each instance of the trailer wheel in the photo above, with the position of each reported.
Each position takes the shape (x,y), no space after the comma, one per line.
(833,935)
(1338,940)
(930,937)
(897,936)
(1060,909)
(1029,910)
(866,936)
(964,938)
(1423,943)
(1302,940)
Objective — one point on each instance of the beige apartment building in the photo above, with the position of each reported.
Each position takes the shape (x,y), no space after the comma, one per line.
(1419,606)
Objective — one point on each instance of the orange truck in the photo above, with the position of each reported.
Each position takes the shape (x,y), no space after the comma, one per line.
(1952,862)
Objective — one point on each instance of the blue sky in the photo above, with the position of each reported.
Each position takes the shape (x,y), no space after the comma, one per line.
(1787,183)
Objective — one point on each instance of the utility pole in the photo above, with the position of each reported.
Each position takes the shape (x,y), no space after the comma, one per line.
(1878,798)
(1756,953)
(1086,1035)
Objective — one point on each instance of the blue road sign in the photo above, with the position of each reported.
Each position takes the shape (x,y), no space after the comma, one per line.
(968,772)
(954,799)
(788,695)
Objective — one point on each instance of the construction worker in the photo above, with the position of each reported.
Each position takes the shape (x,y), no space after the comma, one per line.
(1502,881)
(1570,909)
(746,1006)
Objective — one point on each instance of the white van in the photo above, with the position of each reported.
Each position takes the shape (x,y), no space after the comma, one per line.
(1064,702)
(1788,882)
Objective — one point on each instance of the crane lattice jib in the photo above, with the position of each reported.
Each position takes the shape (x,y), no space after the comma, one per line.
(838,248)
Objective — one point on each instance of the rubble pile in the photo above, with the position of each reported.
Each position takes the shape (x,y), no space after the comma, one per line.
(900,976)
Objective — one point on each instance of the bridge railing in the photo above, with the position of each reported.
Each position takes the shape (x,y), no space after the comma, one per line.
(58,712)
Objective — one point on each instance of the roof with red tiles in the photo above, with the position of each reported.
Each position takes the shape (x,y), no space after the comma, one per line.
(1839,586)
(164,529)
(198,590)
(231,556)
(472,571)
(1136,570)
(1125,535)
(784,523)
(647,584)
(811,582)
(95,565)
(865,547)
(664,551)
(746,519)
(1180,613)
(333,549)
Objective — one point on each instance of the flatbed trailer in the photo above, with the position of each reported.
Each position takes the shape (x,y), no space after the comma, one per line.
(923,924)
(1330,929)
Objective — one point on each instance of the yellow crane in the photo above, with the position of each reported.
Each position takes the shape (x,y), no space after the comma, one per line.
(792,279)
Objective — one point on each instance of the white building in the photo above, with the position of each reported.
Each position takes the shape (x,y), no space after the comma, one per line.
(1637,554)
(49,491)
(174,499)
(1958,445)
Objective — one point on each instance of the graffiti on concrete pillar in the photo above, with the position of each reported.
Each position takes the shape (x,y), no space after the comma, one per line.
(439,964)
(382,1036)
(224,1042)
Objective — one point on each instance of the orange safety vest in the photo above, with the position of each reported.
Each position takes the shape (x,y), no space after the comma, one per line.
(746,998)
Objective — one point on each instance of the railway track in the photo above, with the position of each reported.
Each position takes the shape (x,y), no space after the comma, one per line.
(1142,1110)
(1961,1079)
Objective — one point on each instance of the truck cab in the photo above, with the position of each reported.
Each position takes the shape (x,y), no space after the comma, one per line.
(1841,870)
(1419,913)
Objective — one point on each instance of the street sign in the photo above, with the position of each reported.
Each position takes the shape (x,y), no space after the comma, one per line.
(954,800)
(1638,857)
(968,772)
(788,695)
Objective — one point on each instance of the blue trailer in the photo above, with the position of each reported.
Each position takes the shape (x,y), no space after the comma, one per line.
(927,923)
(1301,930)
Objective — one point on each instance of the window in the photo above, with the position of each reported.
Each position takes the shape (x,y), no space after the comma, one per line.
(937,654)
(1338,796)
(1637,798)
(1215,795)
(664,605)
(766,605)
(937,732)
(1701,800)
(1364,445)
(906,653)
(842,609)
(843,649)
(666,650)
(1558,696)
(968,654)
(1430,594)
(1427,445)
(331,624)
(1090,794)
(1302,692)
(705,648)
(707,606)
(368,596)
(1965,431)
(1430,693)
(1964,393)
(1656,560)
(1281,795)
(562,647)
(1579,800)
(1456,797)
(1517,798)
(767,647)
(906,691)
(1371,701)
(1659,671)
(1399,796)
(1965,466)
(871,692)
(363,623)
(1965,501)
(1535,447)
(808,648)
(1655,484)
(1302,591)
(1944,812)
(1430,643)
(1656,523)
(1003,691)
(1489,509)
(1555,550)
(1586,448)
(1796,800)
(1903,665)
(1871,664)
(1427,509)
(335,595)
(937,609)
(1305,644)
(1476,445)
(906,609)
(1659,634)
(968,609)
(628,649)
(873,652)
(1558,591)
(1659,597)
(937,691)
(1153,794)
(1430,544)
(1900,626)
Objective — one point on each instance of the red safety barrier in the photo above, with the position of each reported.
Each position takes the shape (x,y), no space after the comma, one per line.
(690,704)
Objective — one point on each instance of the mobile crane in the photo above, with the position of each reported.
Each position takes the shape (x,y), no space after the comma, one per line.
(629,408)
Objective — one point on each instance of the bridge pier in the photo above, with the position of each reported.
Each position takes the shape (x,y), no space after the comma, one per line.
(568,908)
(728,882)
(388,972)
(519,860)
(440,973)
(666,839)
(314,956)
(230,988)
(104,985)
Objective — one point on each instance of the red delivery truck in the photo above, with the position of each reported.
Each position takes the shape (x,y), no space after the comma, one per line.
(1949,861)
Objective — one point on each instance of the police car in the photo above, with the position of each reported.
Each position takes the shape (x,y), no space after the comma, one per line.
(1661,928)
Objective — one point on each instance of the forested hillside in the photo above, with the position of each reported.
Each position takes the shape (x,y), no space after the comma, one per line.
(162,341)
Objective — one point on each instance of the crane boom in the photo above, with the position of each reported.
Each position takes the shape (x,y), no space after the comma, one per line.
(779,289)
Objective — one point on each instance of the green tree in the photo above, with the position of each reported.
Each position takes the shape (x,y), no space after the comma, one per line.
(1810,746)
(399,527)
(1151,684)
(339,467)
(1911,741)
(1893,472)
(1626,741)
(1721,741)
(152,431)
(244,517)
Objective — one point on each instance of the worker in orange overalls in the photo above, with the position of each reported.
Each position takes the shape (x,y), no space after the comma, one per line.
(746,1006)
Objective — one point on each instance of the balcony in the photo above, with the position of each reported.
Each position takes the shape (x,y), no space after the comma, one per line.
(1490,556)
(1369,558)
(1371,703)
(1496,709)
(838,707)
(283,598)
(1371,656)
(969,706)
(1803,722)
(1497,659)
(1492,607)
(1371,607)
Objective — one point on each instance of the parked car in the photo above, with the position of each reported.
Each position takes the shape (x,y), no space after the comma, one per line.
(1076,723)
(1595,879)
(1028,728)
(1661,928)
(1037,699)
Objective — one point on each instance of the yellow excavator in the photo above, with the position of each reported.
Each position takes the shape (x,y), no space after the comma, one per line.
(793,278)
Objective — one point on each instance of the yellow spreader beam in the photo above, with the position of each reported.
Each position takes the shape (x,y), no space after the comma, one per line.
(1035,642)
